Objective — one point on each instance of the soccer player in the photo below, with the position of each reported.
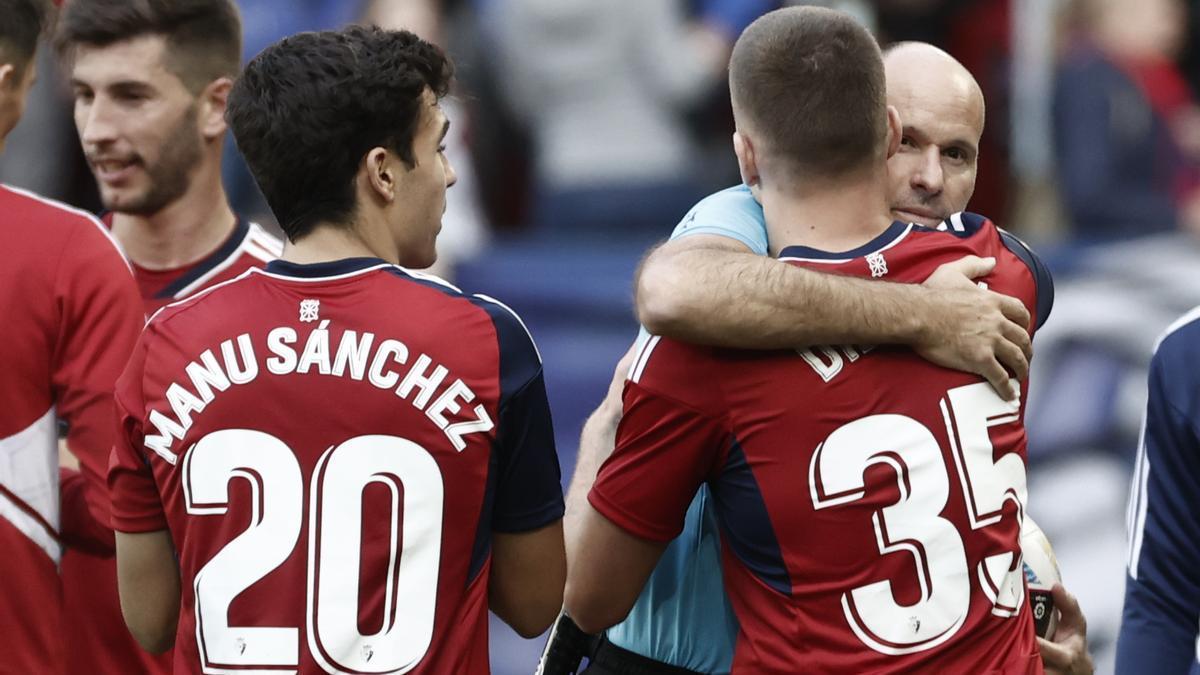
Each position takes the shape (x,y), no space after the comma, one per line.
(680,620)
(1162,591)
(74,314)
(351,462)
(773,432)
(150,82)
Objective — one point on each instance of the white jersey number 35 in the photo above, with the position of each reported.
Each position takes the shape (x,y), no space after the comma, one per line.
(942,570)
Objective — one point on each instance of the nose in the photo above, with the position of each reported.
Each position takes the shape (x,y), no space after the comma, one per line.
(928,177)
(96,123)
(451,175)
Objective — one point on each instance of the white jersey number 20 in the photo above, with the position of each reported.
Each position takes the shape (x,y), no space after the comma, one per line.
(334,550)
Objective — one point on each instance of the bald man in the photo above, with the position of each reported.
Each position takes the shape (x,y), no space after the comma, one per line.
(713,284)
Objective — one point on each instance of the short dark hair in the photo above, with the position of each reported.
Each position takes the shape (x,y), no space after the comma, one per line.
(309,108)
(21,23)
(204,37)
(810,82)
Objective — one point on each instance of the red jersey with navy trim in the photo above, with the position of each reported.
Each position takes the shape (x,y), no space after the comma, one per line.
(248,246)
(72,314)
(869,501)
(331,447)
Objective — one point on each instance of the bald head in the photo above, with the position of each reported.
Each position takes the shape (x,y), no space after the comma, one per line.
(923,75)
(941,109)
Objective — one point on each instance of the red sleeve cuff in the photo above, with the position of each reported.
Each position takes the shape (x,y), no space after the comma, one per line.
(137,524)
(629,522)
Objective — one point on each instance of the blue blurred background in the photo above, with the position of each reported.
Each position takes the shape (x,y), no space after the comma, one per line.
(584,130)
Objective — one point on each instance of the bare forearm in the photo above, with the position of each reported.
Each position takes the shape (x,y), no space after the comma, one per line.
(595,445)
(736,299)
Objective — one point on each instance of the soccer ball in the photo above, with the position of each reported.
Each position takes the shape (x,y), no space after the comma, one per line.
(1041,573)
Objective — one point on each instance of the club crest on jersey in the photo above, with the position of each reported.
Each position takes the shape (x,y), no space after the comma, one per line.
(878,264)
(310,310)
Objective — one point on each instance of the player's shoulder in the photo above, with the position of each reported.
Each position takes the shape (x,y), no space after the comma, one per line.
(732,212)
(206,299)
(679,370)
(520,359)
(986,239)
(1178,348)
(57,224)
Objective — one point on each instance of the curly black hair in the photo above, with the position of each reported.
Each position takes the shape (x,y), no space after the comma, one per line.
(309,108)
(21,23)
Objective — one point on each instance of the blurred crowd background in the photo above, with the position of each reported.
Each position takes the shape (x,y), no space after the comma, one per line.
(584,130)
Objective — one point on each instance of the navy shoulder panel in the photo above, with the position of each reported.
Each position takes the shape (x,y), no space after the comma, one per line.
(1043,282)
(520,361)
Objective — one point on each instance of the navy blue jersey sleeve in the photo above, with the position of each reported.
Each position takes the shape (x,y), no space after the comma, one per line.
(527,480)
(1043,282)
(1162,594)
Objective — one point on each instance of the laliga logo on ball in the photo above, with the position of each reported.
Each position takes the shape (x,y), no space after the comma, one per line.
(1041,573)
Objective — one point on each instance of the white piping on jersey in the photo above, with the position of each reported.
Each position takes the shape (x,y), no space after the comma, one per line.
(267,241)
(1192,315)
(834,261)
(333,277)
(202,293)
(488,298)
(1197,649)
(79,212)
(643,357)
(243,247)
(262,245)
(1135,519)
(30,473)
(425,276)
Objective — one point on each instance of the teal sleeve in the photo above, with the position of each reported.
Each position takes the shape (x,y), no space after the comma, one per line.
(732,213)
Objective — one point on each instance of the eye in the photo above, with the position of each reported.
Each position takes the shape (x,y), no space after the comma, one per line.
(957,154)
(442,149)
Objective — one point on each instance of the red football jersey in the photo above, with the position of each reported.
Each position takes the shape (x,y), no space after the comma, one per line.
(72,315)
(331,446)
(100,643)
(249,245)
(869,501)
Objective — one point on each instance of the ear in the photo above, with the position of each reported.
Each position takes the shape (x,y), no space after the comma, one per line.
(743,147)
(214,99)
(380,176)
(895,131)
(8,75)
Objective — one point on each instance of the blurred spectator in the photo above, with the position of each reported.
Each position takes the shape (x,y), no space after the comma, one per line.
(603,88)
(1126,124)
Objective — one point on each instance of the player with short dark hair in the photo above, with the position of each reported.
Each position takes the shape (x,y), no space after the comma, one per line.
(202,38)
(394,430)
(753,431)
(1159,625)
(806,135)
(383,107)
(682,618)
(150,81)
(74,311)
